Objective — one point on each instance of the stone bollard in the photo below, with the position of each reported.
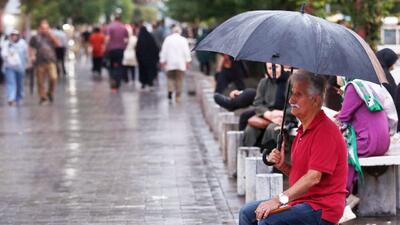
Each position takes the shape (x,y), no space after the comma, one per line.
(209,110)
(204,92)
(223,117)
(268,185)
(253,166)
(216,109)
(233,140)
(224,147)
(243,153)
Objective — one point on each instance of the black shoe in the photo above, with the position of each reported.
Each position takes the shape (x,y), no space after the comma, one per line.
(50,97)
(169,95)
(42,101)
(223,101)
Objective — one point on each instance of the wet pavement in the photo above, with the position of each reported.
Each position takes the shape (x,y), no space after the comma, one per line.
(94,157)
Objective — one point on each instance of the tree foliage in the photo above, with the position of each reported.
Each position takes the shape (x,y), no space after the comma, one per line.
(365,15)
(77,11)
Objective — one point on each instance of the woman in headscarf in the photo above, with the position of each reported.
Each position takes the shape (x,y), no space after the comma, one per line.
(388,58)
(365,123)
(147,54)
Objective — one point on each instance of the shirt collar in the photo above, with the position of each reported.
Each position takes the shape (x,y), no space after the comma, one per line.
(317,119)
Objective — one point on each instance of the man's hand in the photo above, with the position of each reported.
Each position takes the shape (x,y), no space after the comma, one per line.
(234,93)
(277,157)
(264,208)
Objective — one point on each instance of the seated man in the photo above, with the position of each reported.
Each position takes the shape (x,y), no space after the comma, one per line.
(268,104)
(317,176)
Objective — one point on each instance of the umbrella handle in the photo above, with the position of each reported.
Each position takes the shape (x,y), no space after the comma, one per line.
(265,153)
(281,132)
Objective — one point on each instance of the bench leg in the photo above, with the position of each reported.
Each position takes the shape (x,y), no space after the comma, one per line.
(378,194)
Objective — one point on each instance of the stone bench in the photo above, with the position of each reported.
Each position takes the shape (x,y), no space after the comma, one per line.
(379,195)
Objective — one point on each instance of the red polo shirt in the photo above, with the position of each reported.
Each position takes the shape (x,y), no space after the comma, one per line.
(321,147)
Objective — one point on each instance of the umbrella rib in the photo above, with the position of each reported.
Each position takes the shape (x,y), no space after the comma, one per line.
(285,33)
(252,32)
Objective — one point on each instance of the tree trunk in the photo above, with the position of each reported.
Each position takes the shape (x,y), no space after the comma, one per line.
(360,29)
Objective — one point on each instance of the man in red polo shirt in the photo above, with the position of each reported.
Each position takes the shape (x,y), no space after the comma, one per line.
(318,170)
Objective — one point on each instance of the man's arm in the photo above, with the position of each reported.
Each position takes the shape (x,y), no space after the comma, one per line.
(311,178)
(54,39)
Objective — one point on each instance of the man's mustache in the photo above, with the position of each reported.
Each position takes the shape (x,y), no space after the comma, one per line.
(295,106)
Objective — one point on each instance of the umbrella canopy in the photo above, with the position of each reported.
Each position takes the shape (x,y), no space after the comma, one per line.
(296,39)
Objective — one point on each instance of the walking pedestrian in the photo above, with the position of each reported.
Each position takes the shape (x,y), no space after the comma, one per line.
(116,40)
(147,54)
(15,55)
(44,44)
(129,61)
(175,59)
(61,50)
(97,43)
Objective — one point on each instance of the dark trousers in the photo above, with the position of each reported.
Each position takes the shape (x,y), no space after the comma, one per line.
(300,214)
(60,54)
(116,69)
(227,76)
(205,68)
(97,63)
(244,117)
(127,70)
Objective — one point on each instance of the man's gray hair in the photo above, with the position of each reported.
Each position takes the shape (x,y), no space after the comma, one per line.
(316,83)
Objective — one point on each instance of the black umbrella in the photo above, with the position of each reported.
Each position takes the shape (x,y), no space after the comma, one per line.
(296,39)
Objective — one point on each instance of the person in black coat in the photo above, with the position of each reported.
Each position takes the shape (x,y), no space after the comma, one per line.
(147,54)
(387,59)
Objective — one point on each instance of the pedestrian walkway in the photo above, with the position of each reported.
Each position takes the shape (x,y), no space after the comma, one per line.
(94,157)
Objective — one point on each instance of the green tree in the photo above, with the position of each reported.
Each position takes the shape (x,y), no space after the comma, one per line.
(366,16)
(218,11)
(126,7)
(146,13)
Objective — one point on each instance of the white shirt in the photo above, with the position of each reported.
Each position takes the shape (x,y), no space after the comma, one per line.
(388,105)
(175,52)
